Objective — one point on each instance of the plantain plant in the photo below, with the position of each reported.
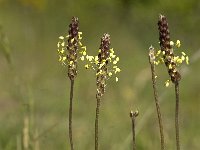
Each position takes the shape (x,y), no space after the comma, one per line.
(155,92)
(167,56)
(68,49)
(105,64)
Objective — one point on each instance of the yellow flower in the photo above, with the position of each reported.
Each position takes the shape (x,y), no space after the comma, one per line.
(61,37)
(117,59)
(176,58)
(183,53)
(163,52)
(71,62)
(82,58)
(110,74)
(63,44)
(178,43)
(187,60)
(179,61)
(158,53)
(79,35)
(116,79)
(96,60)
(84,53)
(84,48)
(90,58)
(112,55)
(60,58)
(117,70)
(111,50)
(101,65)
(58,44)
(62,51)
(170,66)
(87,66)
(183,57)
(167,83)
(114,62)
(171,43)
(72,40)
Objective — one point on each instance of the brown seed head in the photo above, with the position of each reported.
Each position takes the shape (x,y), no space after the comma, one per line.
(164,35)
(102,70)
(104,48)
(72,48)
(166,48)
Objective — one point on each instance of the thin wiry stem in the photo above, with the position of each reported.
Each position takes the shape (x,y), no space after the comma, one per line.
(177,115)
(97,123)
(133,116)
(162,141)
(151,61)
(102,71)
(133,130)
(194,58)
(70,115)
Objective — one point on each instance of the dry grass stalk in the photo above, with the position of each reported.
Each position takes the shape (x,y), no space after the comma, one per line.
(166,48)
(151,61)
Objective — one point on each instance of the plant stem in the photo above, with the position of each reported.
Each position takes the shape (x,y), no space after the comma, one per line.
(162,141)
(177,115)
(133,116)
(26,136)
(97,123)
(70,114)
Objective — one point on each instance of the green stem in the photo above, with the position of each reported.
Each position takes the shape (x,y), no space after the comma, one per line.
(70,115)
(133,116)
(97,123)
(162,141)
(177,115)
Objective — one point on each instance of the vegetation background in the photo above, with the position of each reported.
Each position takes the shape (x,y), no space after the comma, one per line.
(36,85)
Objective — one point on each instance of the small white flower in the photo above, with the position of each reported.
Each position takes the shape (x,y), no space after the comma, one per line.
(167,83)
(84,48)
(116,79)
(63,44)
(187,60)
(171,43)
(114,62)
(117,70)
(183,53)
(178,43)
(87,66)
(84,53)
(117,59)
(183,57)
(82,58)
(110,74)
(61,37)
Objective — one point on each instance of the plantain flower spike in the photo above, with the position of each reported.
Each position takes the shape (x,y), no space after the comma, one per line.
(167,50)
(102,70)
(72,48)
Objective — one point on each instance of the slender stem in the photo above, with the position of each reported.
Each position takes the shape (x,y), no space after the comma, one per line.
(70,115)
(133,116)
(162,141)
(177,115)
(97,123)
(133,130)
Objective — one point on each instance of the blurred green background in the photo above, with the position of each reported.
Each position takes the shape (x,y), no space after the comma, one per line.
(35,86)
